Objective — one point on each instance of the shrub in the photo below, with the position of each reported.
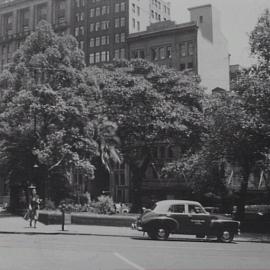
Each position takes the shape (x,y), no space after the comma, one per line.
(104,205)
(49,205)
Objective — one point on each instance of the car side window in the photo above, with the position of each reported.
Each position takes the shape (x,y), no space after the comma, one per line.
(195,209)
(177,208)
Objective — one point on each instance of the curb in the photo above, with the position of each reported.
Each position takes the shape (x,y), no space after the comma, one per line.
(66,232)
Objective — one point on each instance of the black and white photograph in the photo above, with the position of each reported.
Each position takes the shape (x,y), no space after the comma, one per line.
(134,134)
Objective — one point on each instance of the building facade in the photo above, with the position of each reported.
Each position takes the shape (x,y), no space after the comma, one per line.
(198,45)
(102,26)
(18,18)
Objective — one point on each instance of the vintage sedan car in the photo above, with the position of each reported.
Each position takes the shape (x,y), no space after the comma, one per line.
(184,217)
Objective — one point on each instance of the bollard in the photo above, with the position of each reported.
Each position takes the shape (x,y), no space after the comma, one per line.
(63,219)
(62,208)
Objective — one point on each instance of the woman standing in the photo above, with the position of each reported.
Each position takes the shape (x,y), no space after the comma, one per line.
(34,203)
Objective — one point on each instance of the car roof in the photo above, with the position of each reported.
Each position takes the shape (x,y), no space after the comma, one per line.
(169,202)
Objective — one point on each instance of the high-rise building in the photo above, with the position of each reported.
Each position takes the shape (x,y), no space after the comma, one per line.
(100,26)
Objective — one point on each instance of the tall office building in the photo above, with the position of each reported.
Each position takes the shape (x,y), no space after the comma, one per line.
(100,26)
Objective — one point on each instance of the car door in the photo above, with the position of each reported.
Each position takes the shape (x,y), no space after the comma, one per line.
(199,220)
(178,212)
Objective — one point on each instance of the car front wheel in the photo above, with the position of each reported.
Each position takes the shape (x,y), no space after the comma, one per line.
(161,233)
(226,236)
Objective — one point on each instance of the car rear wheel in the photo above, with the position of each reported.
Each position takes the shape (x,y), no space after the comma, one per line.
(161,233)
(226,236)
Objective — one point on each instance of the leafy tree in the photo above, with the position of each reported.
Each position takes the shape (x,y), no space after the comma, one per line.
(260,38)
(51,112)
(151,105)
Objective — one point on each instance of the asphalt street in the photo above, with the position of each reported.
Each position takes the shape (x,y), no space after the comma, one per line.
(66,252)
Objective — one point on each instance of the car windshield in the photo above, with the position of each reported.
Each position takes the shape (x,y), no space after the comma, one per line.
(160,207)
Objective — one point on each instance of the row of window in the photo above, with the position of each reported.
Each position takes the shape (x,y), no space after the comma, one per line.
(165,52)
(186,48)
(99,41)
(136,10)
(103,25)
(157,4)
(104,56)
(99,57)
(79,3)
(98,11)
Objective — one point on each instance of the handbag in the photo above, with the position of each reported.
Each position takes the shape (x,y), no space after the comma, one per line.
(27,215)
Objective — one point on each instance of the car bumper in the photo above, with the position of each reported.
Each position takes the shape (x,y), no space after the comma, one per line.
(136,226)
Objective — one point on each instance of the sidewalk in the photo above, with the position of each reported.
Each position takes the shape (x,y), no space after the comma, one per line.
(17,225)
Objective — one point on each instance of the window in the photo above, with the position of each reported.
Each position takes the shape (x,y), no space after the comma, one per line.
(123,22)
(190,65)
(116,54)
(97,26)
(162,53)
(201,19)
(153,14)
(103,40)
(92,43)
(182,67)
(190,48)
(92,58)
(169,52)
(123,6)
(108,56)
(177,208)
(183,49)
(92,27)
(97,57)
(138,26)
(123,37)
(76,32)
(104,10)
(133,23)
(81,44)
(133,8)
(92,12)
(195,209)
(138,11)
(103,56)
(122,53)
(116,38)
(97,11)
(117,5)
(116,23)
(154,53)
(97,41)
(105,25)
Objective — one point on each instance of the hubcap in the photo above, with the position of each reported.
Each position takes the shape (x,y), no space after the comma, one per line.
(226,235)
(161,233)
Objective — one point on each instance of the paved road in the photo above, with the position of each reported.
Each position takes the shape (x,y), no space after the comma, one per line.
(68,252)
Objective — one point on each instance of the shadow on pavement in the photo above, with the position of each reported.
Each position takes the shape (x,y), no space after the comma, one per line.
(172,239)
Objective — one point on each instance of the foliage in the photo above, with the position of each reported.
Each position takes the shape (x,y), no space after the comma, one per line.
(260,38)
(104,205)
(51,112)
(151,105)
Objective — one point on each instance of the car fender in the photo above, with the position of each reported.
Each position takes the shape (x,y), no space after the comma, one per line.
(219,225)
(169,222)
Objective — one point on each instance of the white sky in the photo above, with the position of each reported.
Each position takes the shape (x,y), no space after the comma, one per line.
(238,18)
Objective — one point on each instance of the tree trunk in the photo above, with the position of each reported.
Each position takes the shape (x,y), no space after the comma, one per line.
(243,195)
(137,180)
